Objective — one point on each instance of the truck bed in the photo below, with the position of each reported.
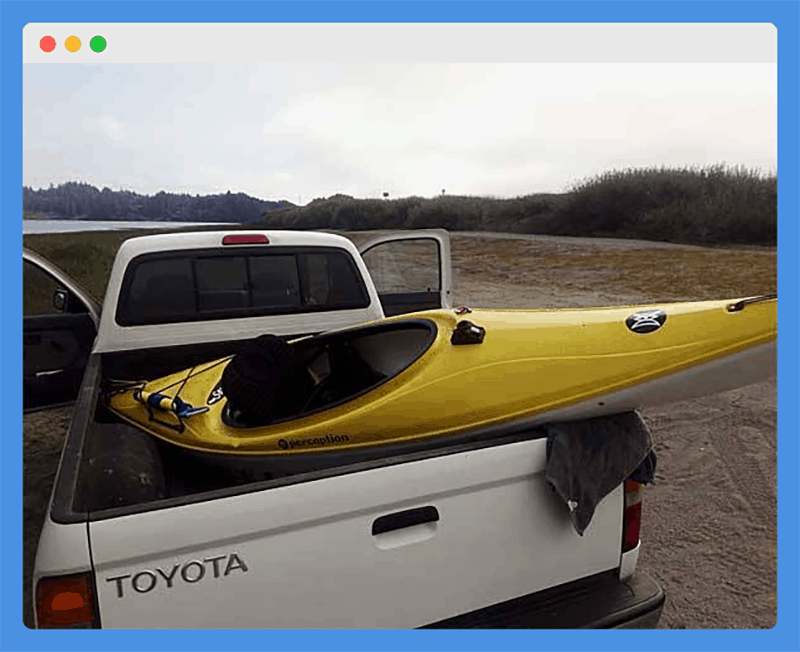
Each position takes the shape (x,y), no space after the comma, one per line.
(162,508)
(113,455)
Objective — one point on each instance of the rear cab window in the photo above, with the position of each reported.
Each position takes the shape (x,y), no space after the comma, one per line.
(197,285)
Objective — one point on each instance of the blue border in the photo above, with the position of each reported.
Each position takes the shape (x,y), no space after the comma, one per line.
(13,16)
(365,11)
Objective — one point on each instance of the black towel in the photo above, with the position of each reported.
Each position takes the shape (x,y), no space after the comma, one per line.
(587,459)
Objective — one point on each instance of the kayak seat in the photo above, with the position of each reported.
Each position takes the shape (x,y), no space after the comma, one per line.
(350,376)
(289,381)
(295,389)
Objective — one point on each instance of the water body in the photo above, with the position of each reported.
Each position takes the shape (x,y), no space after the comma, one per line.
(67,226)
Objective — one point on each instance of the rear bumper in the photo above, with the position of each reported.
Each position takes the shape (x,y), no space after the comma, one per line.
(598,602)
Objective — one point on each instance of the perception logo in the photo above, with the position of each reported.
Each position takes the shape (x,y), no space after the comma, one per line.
(72,44)
(313,441)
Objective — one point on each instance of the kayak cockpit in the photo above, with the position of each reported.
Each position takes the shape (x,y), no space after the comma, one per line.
(271,380)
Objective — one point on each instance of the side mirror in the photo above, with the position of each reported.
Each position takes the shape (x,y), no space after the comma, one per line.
(60,298)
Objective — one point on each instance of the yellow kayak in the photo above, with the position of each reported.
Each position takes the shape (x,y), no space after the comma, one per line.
(444,372)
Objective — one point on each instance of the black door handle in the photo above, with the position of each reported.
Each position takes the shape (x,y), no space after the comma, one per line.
(405,519)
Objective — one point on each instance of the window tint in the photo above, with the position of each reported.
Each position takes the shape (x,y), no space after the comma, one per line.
(274,281)
(334,281)
(315,267)
(212,286)
(221,283)
(221,274)
(161,289)
(347,287)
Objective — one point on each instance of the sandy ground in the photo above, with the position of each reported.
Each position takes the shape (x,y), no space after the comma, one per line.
(709,526)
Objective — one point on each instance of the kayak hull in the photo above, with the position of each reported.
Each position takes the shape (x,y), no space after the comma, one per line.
(529,367)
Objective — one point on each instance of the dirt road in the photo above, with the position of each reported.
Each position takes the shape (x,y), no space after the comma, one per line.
(709,524)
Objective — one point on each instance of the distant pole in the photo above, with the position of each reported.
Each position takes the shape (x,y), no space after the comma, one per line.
(442,191)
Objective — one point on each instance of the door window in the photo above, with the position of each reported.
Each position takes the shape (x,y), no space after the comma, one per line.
(38,288)
(405,266)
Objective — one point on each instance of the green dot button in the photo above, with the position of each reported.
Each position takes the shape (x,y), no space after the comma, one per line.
(98,44)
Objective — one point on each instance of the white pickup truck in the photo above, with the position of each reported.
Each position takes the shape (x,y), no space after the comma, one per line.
(452,534)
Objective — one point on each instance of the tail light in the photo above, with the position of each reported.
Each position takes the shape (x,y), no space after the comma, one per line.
(66,602)
(255,238)
(632,520)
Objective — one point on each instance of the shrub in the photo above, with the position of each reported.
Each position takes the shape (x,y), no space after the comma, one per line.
(713,205)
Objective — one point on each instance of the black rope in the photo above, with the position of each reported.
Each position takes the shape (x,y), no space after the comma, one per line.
(192,375)
(183,384)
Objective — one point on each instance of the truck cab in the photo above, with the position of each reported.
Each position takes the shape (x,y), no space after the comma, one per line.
(172,293)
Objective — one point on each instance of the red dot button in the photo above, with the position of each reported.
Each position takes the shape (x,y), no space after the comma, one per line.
(48,44)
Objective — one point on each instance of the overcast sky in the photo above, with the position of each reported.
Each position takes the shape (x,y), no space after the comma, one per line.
(304,130)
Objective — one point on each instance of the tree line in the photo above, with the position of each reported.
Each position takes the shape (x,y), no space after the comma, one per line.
(74,200)
(707,206)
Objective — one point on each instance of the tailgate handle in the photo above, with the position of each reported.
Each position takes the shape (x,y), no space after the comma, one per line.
(408,518)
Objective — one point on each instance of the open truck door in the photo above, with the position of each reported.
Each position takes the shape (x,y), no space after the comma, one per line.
(411,270)
(59,327)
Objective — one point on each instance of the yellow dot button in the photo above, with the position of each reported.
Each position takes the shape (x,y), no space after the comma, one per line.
(73,44)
